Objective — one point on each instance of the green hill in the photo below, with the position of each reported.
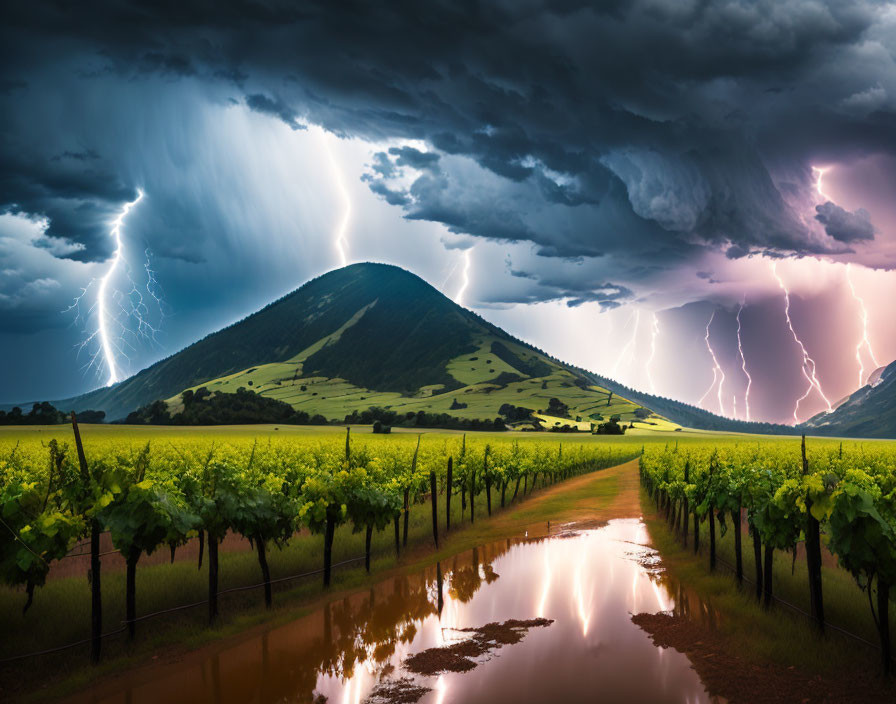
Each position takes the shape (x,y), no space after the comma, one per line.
(371,335)
(376,335)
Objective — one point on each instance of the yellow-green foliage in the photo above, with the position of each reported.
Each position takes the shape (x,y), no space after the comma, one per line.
(265,489)
(848,487)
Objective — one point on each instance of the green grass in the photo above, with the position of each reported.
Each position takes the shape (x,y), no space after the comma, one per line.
(479,367)
(335,398)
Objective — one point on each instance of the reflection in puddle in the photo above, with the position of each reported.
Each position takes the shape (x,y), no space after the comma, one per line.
(589,583)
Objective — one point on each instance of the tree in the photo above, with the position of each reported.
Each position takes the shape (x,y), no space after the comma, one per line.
(556,407)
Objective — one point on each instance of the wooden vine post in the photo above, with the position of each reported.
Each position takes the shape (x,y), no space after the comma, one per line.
(757,559)
(813,554)
(448,490)
(685,514)
(96,594)
(435,508)
(712,522)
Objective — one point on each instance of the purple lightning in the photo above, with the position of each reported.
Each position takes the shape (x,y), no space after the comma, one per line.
(743,363)
(808,364)
(717,374)
(864,341)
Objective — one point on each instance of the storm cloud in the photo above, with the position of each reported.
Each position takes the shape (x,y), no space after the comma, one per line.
(674,101)
(843,225)
(637,139)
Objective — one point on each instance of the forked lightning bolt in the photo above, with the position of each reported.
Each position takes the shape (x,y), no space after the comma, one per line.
(864,341)
(120,314)
(103,321)
(743,364)
(717,374)
(808,364)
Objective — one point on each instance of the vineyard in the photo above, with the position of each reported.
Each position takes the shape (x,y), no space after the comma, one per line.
(827,498)
(57,494)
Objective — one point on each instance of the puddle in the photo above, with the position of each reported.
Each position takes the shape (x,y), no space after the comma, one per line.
(568,600)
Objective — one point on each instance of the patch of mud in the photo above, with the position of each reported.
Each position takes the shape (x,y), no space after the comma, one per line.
(458,657)
(401,691)
(648,559)
(735,679)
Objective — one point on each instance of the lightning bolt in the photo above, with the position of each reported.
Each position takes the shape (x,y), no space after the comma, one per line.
(717,374)
(819,174)
(340,241)
(103,318)
(808,364)
(743,364)
(864,341)
(624,351)
(465,281)
(119,314)
(654,332)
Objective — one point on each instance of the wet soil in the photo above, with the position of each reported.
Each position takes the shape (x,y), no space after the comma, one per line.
(531,619)
(458,657)
(738,680)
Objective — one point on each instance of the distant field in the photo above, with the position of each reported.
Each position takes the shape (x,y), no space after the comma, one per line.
(25,435)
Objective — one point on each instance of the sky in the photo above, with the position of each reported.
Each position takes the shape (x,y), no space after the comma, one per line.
(618,184)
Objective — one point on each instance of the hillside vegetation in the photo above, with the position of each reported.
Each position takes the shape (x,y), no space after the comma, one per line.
(377,336)
(373,336)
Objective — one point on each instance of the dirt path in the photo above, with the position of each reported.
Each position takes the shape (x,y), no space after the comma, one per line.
(591,498)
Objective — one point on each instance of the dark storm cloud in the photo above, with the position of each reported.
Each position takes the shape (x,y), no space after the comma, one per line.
(408,156)
(275,107)
(76,191)
(654,129)
(575,291)
(843,225)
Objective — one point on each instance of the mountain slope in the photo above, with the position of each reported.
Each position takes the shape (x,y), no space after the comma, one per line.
(870,412)
(402,310)
(376,335)
(361,336)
